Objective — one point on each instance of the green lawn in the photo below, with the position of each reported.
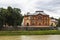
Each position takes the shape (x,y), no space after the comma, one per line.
(14,33)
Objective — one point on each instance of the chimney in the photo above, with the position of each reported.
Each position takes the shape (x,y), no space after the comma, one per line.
(39,11)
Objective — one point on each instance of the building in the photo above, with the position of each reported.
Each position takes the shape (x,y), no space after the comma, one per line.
(53,22)
(39,18)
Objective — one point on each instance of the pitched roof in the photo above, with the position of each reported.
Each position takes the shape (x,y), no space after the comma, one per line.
(36,13)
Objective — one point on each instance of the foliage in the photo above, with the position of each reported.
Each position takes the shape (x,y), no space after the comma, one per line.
(58,25)
(10,16)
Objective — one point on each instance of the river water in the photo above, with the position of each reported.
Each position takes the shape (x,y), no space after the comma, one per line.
(31,37)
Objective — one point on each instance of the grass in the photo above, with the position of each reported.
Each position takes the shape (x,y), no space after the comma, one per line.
(14,33)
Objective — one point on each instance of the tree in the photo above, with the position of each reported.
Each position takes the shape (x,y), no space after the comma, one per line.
(58,24)
(10,16)
(14,17)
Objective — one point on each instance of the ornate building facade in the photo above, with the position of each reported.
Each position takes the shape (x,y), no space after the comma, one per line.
(39,18)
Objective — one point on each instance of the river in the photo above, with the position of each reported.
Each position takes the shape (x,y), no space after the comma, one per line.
(31,37)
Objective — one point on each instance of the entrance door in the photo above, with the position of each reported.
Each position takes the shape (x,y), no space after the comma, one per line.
(27,24)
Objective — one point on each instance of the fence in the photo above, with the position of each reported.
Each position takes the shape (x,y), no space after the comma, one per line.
(27,28)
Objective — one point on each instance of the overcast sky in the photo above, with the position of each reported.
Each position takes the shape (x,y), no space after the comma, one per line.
(51,7)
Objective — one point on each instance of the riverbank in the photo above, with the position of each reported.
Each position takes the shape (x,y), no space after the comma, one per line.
(17,33)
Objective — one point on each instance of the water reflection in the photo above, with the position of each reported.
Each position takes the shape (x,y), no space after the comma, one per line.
(31,37)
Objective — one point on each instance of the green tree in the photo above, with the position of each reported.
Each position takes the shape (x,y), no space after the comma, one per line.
(14,17)
(58,24)
(10,16)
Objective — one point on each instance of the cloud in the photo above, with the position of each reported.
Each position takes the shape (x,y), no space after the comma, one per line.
(51,7)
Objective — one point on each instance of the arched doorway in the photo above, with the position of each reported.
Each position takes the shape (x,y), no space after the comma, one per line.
(27,28)
(27,24)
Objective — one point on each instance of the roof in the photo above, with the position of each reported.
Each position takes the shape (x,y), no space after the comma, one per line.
(36,13)
(54,20)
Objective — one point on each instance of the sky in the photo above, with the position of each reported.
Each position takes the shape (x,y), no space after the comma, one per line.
(50,7)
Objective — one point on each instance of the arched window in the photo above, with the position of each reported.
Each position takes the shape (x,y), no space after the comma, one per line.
(39,17)
(39,23)
(52,24)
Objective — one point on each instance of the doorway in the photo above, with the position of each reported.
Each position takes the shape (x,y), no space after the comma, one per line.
(27,24)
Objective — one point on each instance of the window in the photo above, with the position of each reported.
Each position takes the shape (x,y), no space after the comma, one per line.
(45,23)
(32,17)
(39,17)
(39,23)
(32,23)
(26,17)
